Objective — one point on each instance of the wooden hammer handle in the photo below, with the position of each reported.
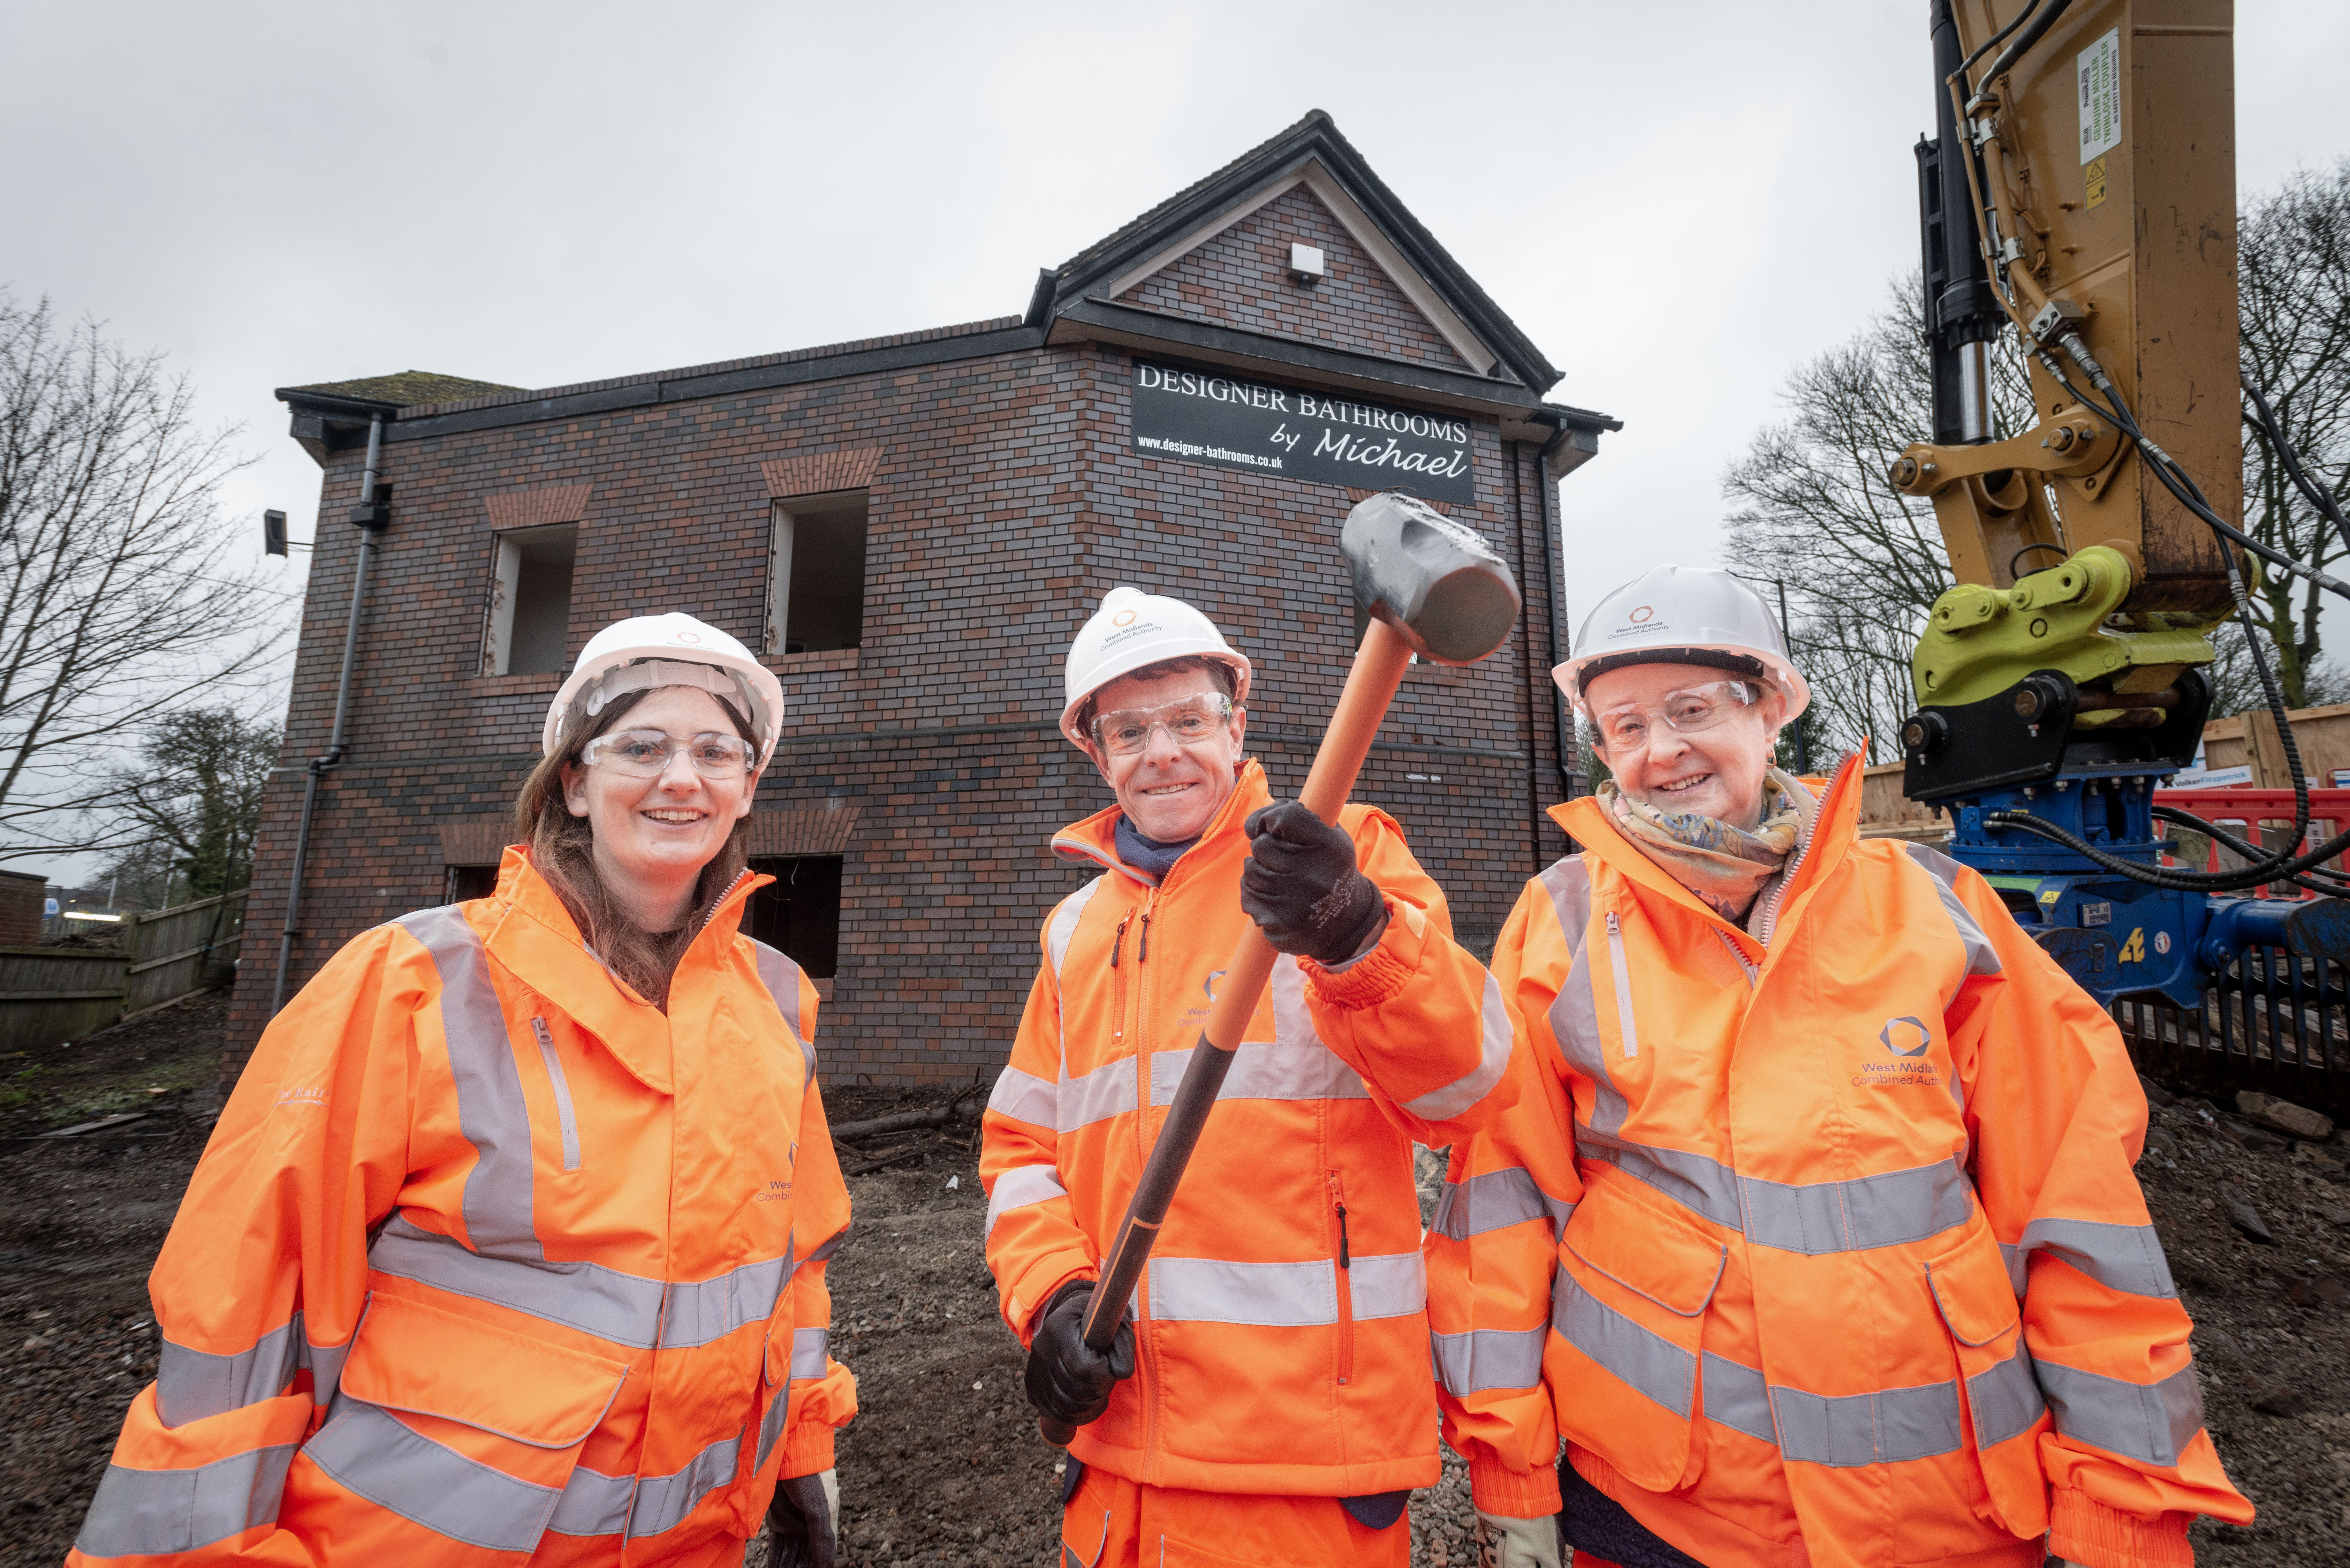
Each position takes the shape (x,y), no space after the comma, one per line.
(1370,688)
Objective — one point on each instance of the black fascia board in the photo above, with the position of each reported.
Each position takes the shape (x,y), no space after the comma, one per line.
(336,406)
(724,383)
(1320,139)
(1558,415)
(1183,332)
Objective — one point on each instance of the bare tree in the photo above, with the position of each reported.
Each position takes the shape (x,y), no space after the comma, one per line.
(2293,267)
(117,601)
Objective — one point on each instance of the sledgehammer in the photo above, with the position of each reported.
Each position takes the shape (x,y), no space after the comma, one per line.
(1434,588)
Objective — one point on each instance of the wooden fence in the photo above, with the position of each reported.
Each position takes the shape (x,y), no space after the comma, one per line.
(53,994)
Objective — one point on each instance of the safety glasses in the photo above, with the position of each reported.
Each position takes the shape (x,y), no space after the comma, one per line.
(1187,721)
(646,753)
(1684,712)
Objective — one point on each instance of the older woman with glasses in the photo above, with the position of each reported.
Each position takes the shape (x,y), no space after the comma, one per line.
(1815,1234)
(510,1243)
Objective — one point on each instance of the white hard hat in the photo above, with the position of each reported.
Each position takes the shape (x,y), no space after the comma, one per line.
(1133,628)
(1683,615)
(672,650)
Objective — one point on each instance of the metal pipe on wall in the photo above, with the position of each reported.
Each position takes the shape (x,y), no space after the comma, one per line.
(369,519)
(1570,774)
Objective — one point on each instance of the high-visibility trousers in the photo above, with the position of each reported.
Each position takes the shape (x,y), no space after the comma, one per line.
(1112,1522)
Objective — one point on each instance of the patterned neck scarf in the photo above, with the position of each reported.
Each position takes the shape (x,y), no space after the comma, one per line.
(1725,866)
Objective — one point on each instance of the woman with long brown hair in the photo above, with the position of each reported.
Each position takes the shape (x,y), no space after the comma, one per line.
(510,1243)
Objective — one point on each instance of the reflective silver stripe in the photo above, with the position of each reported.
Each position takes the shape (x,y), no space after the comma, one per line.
(664,1502)
(190,1384)
(1494,1200)
(490,1111)
(1648,1362)
(780,976)
(2126,1258)
(325,1363)
(1095,1096)
(382,1459)
(1738,1396)
(1493,1060)
(1887,1427)
(771,1426)
(1703,1186)
(1487,1358)
(713,1309)
(824,1251)
(1062,927)
(563,1115)
(1626,1030)
(811,1350)
(1024,1097)
(1262,1072)
(152,1512)
(1982,958)
(1881,1211)
(623,1308)
(593,1503)
(2153,1422)
(1020,1187)
(2006,1399)
(1284,1295)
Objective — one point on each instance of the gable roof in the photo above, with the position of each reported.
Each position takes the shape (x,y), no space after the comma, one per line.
(405,389)
(1311,152)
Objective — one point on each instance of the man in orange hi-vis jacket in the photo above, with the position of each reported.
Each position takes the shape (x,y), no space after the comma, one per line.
(509,1246)
(1814,1232)
(1270,1402)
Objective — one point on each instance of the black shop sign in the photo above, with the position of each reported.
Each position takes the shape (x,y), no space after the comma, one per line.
(1200,417)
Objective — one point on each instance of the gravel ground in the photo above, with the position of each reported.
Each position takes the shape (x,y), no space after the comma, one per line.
(945,1464)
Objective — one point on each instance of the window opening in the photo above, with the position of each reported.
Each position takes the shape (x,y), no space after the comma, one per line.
(470,882)
(799,912)
(530,600)
(815,585)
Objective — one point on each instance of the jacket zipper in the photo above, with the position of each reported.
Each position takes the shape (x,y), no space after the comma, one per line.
(1786,879)
(563,1115)
(1118,946)
(1346,1285)
(1624,1024)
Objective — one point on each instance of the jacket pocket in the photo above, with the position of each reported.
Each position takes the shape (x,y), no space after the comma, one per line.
(462,1427)
(1629,1298)
(2001,1394)
(565,1116)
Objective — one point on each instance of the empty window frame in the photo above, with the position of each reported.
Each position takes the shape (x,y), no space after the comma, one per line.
(463,882)
(815,585)
(530,600)
(799,912)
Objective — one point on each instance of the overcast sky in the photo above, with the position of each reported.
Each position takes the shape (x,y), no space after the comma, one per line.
(1676,202)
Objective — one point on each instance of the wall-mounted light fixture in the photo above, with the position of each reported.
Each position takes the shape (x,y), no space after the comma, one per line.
(1305,264)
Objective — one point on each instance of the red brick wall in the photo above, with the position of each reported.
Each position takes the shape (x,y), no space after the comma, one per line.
(1006,499)
(1240,278)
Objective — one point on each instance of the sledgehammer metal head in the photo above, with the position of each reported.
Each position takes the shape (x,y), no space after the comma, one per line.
(1440,586)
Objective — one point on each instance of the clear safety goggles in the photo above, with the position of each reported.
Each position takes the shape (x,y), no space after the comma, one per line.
(1684,712)
(646,753)
(1187,721)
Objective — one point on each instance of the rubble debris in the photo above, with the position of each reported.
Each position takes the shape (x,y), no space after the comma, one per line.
(2285,1116)
(2279,1399)
(2247,1218)
(2155,1094)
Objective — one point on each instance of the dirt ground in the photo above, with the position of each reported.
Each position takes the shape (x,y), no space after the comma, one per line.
(944,1465)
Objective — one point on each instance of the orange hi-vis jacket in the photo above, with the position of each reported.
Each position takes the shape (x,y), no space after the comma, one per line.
(1824,1249)
(490,1261)
(1281,1340)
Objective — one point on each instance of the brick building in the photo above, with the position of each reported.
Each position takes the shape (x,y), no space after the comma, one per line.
(912,529)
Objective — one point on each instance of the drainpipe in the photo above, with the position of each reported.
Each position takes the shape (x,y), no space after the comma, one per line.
(1570,776)
(371,519)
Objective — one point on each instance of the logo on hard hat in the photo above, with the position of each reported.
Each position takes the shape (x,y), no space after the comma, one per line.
(1642,614)
(1123,618)
(683,636)
(1905,1037)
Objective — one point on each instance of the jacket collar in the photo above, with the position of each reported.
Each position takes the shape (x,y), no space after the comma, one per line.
(534,936)
(1096,838)
(1834,827)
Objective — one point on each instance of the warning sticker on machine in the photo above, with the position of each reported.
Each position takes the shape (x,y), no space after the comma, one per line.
(2098,73)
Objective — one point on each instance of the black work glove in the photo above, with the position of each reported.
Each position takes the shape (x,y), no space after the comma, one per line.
(1067,1379)
(1302,888)
(804,1522)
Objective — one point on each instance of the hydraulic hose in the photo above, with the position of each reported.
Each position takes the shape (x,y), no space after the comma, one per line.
(2042,20)
(2290,460)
